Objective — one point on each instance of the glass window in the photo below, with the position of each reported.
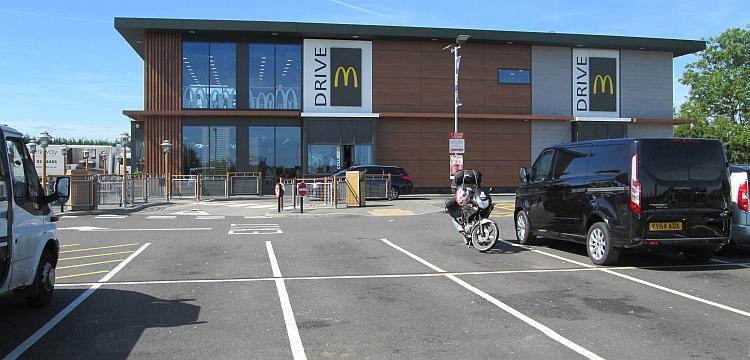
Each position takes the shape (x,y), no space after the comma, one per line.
(288,76)
(540,170)
(261,150)
(288,151)
(195,75)
(363,154)
(209,149)
(571,163)
(25,179)
(223,63)
(609,159)
(514,76)
(584,131)
(322,159)
(275,76)
(262,76)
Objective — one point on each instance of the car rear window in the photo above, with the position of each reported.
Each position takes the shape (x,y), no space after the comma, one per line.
(609,159)
(394,171)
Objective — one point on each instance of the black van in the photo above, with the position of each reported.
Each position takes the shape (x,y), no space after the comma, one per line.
(647,194)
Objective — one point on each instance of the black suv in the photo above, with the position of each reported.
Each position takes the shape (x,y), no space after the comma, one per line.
(400,181)
(647,194)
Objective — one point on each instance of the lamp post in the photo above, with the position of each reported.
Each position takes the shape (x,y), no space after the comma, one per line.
(44,143)
(85,155)
(64,150)
(124,138)
(166,148)
(32,150)
(460,40)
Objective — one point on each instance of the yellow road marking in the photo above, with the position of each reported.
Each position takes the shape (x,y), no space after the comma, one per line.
(98,248)
(69,245)
(84,274)
(90,256)
(89,264)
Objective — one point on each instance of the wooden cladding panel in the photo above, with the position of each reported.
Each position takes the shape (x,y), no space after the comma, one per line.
(162,71)
(497,148)
(414,76)
(156,130)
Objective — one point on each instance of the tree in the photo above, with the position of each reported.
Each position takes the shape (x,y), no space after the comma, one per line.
(719,98)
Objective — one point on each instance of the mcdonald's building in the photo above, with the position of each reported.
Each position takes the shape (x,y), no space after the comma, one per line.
(291,99)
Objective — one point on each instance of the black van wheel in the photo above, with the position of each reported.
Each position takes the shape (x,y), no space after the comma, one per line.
(699,255)
(40,292)
(599,245)
(523,229)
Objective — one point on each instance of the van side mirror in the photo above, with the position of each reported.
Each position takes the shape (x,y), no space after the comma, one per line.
(524,176)
(62,188)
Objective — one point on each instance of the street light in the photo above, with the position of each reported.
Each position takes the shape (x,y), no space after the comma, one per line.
(124,138)
(460,40)
(64,150)
(44,143)
(166,148)
(85,155)
(32,149)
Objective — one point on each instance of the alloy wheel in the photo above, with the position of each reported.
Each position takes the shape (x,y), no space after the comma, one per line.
(597,245)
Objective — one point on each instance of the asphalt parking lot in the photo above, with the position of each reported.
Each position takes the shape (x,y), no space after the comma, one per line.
(217,281)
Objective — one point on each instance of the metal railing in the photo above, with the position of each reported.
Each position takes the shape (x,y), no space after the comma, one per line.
(213,186)
(377,186)
(245,183)
(184,187)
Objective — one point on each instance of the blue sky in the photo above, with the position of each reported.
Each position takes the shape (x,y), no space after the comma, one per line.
(66,70)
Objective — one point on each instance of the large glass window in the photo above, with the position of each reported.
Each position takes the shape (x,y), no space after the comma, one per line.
(275,151)
(363,154)
(209,75)
(514,76)
(322,158)
(275,76)
(209,149)
(571,163)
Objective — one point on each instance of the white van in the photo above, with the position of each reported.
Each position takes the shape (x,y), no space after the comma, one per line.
(28,243)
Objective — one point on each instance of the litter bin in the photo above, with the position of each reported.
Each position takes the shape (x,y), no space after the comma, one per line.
(355,188)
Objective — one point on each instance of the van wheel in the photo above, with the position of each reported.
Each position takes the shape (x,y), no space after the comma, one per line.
(699,255)
(523,229)
(40,292)
(599,245)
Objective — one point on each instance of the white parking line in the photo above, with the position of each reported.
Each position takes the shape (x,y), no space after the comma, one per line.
(161,217)
(533,323)
(254,229)
(110,217)
(298,351)
(732,263)
(637,280)
(210,217)
(20,349)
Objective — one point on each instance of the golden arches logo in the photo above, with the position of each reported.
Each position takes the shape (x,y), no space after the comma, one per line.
(604,80)
(346,73)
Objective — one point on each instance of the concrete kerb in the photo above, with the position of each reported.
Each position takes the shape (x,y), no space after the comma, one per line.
(116,211)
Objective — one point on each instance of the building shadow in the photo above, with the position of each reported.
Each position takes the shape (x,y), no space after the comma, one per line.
(107,325)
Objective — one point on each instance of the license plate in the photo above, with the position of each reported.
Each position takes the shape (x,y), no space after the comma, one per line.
(665,226)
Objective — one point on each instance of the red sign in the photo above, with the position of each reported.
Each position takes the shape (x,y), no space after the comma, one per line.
(278,190)
(302,189)
(457,135)
(457,144)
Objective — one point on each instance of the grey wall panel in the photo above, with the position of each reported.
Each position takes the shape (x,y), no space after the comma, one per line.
(650,131)
(551,89)
(546,133)
(646,84)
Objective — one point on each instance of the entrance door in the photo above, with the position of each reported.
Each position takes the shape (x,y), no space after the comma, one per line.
(27,213)
(346,156)
(5,243)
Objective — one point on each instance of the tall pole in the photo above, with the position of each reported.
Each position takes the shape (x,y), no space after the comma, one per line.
(166,171)
(456,104)
(44,169)
(124,175)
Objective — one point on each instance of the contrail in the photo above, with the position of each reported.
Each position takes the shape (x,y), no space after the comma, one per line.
(53,16)
(367,11)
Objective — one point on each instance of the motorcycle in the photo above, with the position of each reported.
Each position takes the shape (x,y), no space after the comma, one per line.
(471,212)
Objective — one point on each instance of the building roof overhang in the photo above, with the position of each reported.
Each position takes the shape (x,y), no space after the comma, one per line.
(134,30)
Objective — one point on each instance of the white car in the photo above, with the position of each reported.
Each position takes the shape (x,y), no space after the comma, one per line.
(28,244)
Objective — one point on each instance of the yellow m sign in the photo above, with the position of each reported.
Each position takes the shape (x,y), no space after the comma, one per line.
(346,73)
(604,80)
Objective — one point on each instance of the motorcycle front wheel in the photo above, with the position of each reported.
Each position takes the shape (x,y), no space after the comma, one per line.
(484,235)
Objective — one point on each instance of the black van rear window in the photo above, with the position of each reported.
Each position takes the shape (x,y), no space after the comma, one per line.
(394,171)
(706,159)
(665,160)
(571,162)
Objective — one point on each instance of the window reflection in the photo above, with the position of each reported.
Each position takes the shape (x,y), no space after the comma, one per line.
(363,154)
(209,149)
(275,151)
(322,158)
(209,75)
(275,76)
